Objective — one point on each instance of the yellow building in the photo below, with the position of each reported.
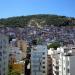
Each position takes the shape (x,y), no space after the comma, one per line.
(18,67)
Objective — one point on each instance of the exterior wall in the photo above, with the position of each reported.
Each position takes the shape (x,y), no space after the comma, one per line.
(72,65)
(39,60)
(63,65)
(55,61)
(49,65)
(66,59)
(18,67)
(4,50)
(15,53)
(23,46)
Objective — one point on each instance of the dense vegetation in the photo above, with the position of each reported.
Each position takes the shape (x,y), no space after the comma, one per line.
(54,45)
(42,19)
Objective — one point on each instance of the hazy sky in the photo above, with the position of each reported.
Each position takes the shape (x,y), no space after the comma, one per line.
(9,8)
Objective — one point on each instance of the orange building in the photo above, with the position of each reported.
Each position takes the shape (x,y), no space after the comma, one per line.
(18,67)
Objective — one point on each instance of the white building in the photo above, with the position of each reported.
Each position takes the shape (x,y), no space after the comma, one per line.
(39,60)
(4,50)
(63,60)
(55,60)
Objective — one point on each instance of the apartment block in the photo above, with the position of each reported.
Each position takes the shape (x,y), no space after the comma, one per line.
(4,50)
(39,60)
(49,65)
(63,60)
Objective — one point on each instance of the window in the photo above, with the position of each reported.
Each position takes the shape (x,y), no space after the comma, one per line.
(4,52)
(43,57)
(43,53)
(68,70)
(57,67)
(0,46)
(43,62)
(57,73)
(43,66)
(43,71)
(0,53)
(64,68)
(0,59)
(0,65)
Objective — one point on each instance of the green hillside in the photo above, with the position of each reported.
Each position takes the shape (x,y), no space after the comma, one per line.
(41,19)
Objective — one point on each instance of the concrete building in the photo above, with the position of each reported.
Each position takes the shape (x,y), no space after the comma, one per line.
(55,60)
(23,46)
(13,42)
(63,60)
(72,65)
(15,60)
(49,65)
(4,50)
(18,67)
(15,54)
(39,60)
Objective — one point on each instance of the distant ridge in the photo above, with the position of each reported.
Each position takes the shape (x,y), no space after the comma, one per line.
(42,19)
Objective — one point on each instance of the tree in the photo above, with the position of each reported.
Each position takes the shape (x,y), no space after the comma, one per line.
(40,20)
(13,73)
(54,45)
(39,40)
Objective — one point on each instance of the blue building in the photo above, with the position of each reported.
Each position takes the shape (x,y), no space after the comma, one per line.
(39,60)
(4,54)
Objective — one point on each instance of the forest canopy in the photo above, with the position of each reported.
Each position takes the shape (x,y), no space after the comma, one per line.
(42,19)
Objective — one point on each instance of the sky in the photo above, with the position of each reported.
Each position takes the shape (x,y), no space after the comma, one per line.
(10,8)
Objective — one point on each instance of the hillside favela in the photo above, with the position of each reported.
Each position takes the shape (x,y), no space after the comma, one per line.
(37,45)
(37,37)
